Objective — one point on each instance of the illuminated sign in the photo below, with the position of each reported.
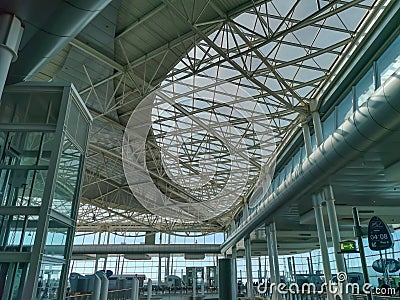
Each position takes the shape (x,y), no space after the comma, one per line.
(348,246)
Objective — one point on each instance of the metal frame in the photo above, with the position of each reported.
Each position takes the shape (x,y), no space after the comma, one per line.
(250,55)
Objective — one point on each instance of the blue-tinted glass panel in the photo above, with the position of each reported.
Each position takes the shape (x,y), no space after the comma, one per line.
(49,281)
(328,126)
(389,62)
(296,160)
(67,178)
(56,239)
(302,154)
(289,168)
(345,109)
(365,88)
(313,142)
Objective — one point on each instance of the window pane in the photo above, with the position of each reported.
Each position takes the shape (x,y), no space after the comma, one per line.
(313,142)
(303,153)
(365,88)
(328,126)
(67,176)
(296,160)
(56,239)
(345,108)
(30,108)
(49,281)
(389,62)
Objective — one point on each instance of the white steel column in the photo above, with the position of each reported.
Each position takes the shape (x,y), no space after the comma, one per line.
(216,272)
(149,289)
(135,289)
(96,288)
(10,37)
(274,248)
(249,274)
(96,265)
(323,244)
(104,288)
(105,258)
(159,279)
(234,272)
(306,137)
(194,285)
(168,259)
(317,127)
(270,255)
(202,286)
(259,270)
(335,232)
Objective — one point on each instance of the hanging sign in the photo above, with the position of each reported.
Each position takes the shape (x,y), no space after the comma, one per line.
(390,264)
(348,247)
(379,236)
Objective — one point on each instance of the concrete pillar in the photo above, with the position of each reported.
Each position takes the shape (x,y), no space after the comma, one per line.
(249,275)
(135,289)
(96,288)
(10,38)
(317,127)
(104,288)
(323,244)
(234,272)
(307,138)
(149,289)
(335,232)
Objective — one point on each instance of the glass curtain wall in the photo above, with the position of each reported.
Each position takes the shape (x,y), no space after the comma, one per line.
(43,139)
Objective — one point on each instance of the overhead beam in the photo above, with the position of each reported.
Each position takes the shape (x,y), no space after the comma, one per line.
(96,54)
(389,213)
(145,249)
(139,21)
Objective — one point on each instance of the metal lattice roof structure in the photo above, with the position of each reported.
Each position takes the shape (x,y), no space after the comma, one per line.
(281,54)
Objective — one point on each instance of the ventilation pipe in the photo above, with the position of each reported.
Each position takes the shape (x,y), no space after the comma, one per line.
(65,22)
(370,124)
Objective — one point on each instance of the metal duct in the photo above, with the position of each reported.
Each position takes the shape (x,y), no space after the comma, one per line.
(63,22)
(379,116)
(147,249)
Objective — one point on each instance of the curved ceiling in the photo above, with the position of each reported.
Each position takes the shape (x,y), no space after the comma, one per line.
(280,52)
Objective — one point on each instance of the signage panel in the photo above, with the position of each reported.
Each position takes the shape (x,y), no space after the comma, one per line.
(379,236)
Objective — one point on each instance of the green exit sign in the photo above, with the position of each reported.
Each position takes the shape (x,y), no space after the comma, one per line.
(348,246)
